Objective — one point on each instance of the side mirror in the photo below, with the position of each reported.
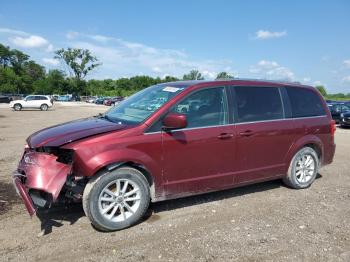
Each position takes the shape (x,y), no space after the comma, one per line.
(174,121)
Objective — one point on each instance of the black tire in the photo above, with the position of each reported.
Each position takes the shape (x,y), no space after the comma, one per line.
(291,179)
(44,107)
(97,184)
(17,107)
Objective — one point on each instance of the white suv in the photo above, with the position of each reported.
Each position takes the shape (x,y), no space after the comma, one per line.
(35,101)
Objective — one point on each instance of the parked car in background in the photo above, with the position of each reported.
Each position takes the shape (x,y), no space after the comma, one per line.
(138,152)
(64,98)
(91,99)
(100,100)
(337,109)
(5,99)
(345,119)
(113,101)
(33,101)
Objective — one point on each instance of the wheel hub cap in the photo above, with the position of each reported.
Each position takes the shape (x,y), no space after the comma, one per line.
(119,200)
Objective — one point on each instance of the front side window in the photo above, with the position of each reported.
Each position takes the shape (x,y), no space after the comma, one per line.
(141,105)
(257,104)
(304,102)
(204,108)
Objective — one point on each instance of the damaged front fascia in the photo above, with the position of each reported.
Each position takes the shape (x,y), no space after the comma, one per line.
(44,172)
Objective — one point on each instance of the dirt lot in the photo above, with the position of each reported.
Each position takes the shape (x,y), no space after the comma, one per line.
(260,222)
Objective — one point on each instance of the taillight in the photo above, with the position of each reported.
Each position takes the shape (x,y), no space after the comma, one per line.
(333,128)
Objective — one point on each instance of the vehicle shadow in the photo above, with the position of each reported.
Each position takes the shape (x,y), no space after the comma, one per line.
(57,215)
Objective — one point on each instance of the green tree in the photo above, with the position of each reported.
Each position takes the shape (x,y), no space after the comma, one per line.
(193,75)
(224,75)
(322,90)
(17,60)
(170,79)
(79,62)
(5,55)
(53,83)
(34,70)
(9,81)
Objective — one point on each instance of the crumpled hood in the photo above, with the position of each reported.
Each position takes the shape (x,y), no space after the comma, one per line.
(72,131)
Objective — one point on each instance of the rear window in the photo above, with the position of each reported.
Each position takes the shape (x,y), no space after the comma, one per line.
(305,102)
(258,104)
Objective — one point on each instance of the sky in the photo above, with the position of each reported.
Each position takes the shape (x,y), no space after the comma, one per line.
(304,41)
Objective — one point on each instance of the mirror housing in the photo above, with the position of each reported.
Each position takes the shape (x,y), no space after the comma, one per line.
(174,121)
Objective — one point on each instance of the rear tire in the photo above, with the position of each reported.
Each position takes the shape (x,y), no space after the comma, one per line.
(44,107)
(303,169)
(116,200)
(17,107)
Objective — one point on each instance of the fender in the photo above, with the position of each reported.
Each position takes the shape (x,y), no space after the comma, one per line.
(89,166)
(300,143)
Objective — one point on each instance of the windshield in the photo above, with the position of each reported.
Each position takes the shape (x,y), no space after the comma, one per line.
(141,105)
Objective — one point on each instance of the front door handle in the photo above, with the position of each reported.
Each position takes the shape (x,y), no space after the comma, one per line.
(225,136)
(246,133)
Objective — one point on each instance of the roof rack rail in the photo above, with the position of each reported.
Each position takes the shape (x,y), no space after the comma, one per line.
(257,79)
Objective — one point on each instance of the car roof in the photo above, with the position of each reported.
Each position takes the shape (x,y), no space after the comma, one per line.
(238,81)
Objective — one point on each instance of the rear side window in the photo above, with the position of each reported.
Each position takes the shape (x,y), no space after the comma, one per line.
(40,98)
(257,104)
(305,102)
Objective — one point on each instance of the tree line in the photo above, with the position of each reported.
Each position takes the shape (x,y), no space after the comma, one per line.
(21,75)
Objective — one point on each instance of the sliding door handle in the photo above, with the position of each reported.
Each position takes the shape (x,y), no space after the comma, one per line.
(246,133)
(225,136)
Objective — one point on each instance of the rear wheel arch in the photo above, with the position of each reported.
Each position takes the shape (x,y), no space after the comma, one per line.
(44,106)
(318,149)
(307,141)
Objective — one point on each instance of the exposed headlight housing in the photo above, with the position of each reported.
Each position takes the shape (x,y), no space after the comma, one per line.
(29,160)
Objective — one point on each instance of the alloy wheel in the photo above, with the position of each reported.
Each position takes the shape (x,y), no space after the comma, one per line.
(119,200)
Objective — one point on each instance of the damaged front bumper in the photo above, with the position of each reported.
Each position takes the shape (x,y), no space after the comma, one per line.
(39,179)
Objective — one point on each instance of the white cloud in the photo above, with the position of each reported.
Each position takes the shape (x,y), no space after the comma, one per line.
(346,80)
(317,83)
(33,41)
(347,63)
(209,74)
(50,61)
(156,69)
(71,35)
(265,34)
(12,32)
(49,48)
(306,79)
(272,70)
(26,40)
(124,58)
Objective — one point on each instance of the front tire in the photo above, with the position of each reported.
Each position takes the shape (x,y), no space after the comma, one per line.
(17,107)
(116,200)
(303,169)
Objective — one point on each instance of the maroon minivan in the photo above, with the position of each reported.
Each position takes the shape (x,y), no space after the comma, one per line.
(177,139)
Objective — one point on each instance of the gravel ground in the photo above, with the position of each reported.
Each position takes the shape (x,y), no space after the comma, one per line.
(262,222)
